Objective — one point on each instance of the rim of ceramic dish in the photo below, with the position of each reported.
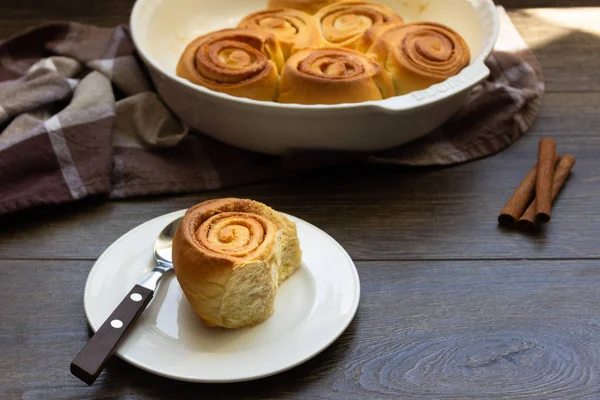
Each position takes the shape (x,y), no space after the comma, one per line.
(465,80)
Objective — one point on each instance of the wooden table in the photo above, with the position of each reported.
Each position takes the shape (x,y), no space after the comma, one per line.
(453,307)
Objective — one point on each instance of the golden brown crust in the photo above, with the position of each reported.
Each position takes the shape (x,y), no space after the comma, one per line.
(229,257)
(371,35)
(344,23)
(308,6)
(333,76)
(239,62)
(295,30)
(420,54)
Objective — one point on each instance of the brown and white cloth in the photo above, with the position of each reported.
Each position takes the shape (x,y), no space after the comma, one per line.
(79,117)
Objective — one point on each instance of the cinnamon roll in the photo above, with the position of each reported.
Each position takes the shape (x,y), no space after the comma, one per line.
(239,62)
(295,30)
(308,6)
(230,255)
(344,23)
(333,76)
(420,54)
(372,34)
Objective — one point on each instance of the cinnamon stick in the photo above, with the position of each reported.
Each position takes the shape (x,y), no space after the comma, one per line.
(521,198)
(519,201)
(545,174)
(566,164)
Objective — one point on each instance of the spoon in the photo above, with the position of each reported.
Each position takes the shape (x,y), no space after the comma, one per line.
(91,359)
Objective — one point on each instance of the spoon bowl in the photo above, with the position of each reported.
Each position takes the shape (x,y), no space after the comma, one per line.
(164,242)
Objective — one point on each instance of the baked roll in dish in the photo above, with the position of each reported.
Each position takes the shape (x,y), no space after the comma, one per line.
(239,62)
(420,54)
(344,23)
(333,76)
(230,255)
(295,30)
(308,6)
(372,34)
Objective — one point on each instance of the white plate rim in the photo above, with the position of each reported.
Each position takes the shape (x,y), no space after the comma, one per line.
(172,216)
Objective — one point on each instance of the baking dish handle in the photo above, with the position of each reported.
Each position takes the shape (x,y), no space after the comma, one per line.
(466,80)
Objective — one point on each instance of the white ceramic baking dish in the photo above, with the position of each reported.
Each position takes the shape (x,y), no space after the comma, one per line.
(162,28)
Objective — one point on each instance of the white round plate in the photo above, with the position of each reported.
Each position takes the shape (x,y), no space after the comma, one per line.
(313,308)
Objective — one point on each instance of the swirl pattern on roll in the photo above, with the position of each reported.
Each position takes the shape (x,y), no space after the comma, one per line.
(234,234)
(230,255)
(344,23)
(239,62)
(420,54)
(295,30)
(333,76)
(308,6)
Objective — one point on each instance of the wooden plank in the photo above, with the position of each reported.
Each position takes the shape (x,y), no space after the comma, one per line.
(375,212)
(568,115)
(451,330)
(565,42)
(520,4)
(18,15)
(567,50)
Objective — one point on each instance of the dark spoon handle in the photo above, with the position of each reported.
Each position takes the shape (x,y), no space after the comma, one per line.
(91,359)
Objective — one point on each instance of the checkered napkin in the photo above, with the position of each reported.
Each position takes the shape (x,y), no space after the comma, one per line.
(79,117)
